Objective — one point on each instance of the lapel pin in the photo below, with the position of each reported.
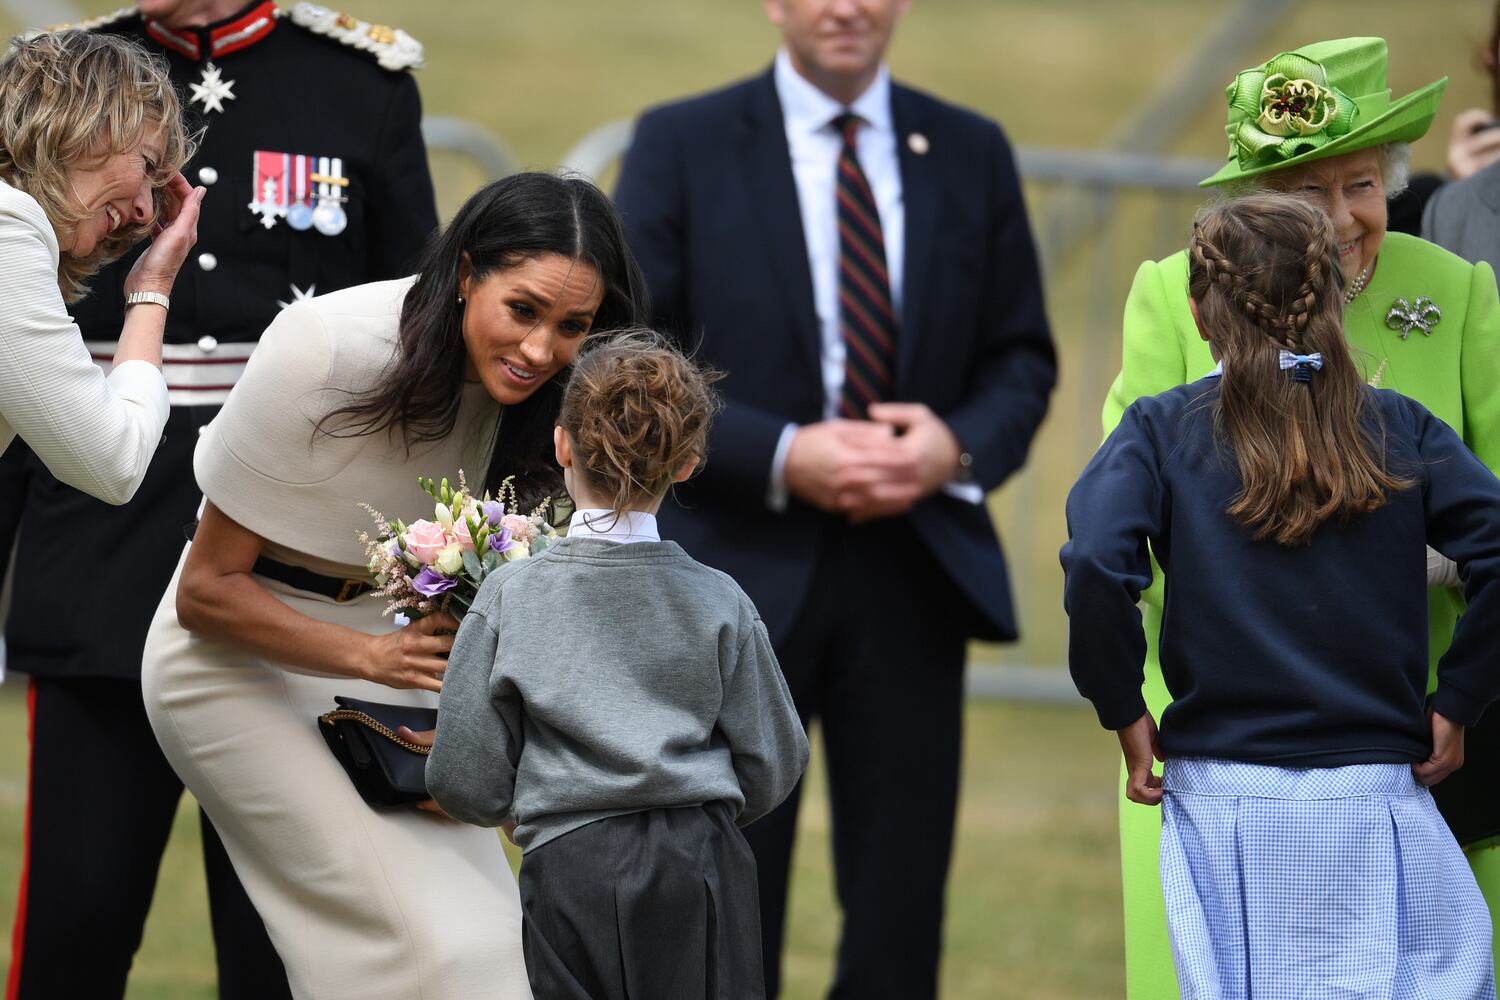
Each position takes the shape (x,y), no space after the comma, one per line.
(917,143)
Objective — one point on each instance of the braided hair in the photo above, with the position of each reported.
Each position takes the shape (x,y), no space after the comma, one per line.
(1292,407)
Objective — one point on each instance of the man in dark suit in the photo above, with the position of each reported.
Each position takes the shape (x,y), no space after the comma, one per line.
(317,179)
(855,256)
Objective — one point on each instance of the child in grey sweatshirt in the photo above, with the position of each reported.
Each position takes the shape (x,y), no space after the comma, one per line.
(620,703)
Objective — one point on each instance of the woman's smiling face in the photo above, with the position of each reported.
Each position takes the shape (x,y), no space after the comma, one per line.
(525,323)
(116,191)
(1351,190)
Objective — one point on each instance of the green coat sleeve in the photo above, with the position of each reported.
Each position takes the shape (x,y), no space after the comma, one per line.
(1480,367)
(1151,352)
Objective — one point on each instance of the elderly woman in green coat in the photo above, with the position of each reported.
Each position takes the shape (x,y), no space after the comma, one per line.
(1319,122)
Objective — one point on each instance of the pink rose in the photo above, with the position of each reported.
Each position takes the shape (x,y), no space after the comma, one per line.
(424,540)
(461,534)
(520,527)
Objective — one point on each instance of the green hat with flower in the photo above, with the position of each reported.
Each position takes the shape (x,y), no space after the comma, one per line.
(1321,100)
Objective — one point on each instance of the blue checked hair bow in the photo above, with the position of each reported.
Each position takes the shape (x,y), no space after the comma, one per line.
(1301,365)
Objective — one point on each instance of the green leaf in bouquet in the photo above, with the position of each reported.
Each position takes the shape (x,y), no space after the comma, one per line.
(473,566)
(539,544)
(492,561)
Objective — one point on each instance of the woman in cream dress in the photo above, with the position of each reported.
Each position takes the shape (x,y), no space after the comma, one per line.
(348,399)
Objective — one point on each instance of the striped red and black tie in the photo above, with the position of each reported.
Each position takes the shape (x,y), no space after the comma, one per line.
(865,315)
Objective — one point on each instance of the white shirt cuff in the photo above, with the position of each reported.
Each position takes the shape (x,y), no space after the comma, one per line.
(1441,571)
(776,496)
(967,492)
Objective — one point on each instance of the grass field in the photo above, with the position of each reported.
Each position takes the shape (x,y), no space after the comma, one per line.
(1033,905)
(1034,898)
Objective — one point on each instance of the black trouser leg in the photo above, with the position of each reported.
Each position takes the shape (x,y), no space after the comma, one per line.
(99,812)
(877,657)
(892,722)
(249,968)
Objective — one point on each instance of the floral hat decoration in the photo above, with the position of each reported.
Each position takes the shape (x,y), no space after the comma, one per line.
(1321,100)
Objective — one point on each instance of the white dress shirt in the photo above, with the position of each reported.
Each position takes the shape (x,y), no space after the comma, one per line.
(814,144)
(623,526)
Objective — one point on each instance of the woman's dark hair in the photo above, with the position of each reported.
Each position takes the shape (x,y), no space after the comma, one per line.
(1264,272)
(506,223)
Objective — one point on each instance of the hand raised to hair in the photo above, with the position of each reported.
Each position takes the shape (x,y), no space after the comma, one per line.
(156,269)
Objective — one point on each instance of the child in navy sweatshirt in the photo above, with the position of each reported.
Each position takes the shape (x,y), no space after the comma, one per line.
(1290,506)
(621,704)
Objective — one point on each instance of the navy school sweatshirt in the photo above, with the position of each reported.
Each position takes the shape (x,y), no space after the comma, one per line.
(1313,656)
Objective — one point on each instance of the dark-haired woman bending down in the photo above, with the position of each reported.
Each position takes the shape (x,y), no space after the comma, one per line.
(349,398)
(1289,504)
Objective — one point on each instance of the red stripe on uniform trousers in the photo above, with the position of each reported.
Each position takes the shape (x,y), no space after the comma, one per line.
(18,933)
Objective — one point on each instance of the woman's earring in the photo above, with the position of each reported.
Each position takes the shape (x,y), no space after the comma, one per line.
(460,300)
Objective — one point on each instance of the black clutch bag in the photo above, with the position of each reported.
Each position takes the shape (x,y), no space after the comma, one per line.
(386,769)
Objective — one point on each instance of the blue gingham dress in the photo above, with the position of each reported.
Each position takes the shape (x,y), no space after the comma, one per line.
(1329,883)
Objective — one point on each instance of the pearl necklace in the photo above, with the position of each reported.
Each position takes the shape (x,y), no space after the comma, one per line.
(1357,286)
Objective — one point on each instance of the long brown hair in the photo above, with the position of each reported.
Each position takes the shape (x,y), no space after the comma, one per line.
(1264,273)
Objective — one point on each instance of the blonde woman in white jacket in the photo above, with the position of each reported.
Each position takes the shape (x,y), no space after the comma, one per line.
(91,146)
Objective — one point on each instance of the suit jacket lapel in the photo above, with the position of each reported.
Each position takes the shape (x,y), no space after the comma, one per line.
(919,195)
(773,192)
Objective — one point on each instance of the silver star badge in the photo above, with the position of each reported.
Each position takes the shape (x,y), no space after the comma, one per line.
(298,295)
(213,91)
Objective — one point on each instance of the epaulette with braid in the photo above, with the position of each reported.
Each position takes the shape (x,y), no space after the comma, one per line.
(393,48)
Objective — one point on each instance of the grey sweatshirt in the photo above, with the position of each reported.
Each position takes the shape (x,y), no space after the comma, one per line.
(598,679)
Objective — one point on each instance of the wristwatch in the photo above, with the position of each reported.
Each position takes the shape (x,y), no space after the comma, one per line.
(154,298)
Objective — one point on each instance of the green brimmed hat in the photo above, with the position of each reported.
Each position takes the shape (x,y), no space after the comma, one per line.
(1318,101)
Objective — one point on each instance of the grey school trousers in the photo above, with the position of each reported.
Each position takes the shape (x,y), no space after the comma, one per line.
(654,905)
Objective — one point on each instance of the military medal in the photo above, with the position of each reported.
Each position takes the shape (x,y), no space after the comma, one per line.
(329,217)
(269,186)
(299,214)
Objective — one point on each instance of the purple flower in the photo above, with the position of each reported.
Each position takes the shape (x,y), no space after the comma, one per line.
(500,541)
(431,583)
(494,510)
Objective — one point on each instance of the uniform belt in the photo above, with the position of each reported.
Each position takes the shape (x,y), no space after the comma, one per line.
(198,374)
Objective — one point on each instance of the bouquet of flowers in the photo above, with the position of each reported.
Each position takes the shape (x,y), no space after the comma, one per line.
(438,565)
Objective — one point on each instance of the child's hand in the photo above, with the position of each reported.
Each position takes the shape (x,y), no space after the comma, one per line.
(425,738)
(1447,751)
(509,829)
(1138,744)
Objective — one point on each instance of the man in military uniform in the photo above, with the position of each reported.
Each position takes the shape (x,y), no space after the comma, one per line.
(317,179)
